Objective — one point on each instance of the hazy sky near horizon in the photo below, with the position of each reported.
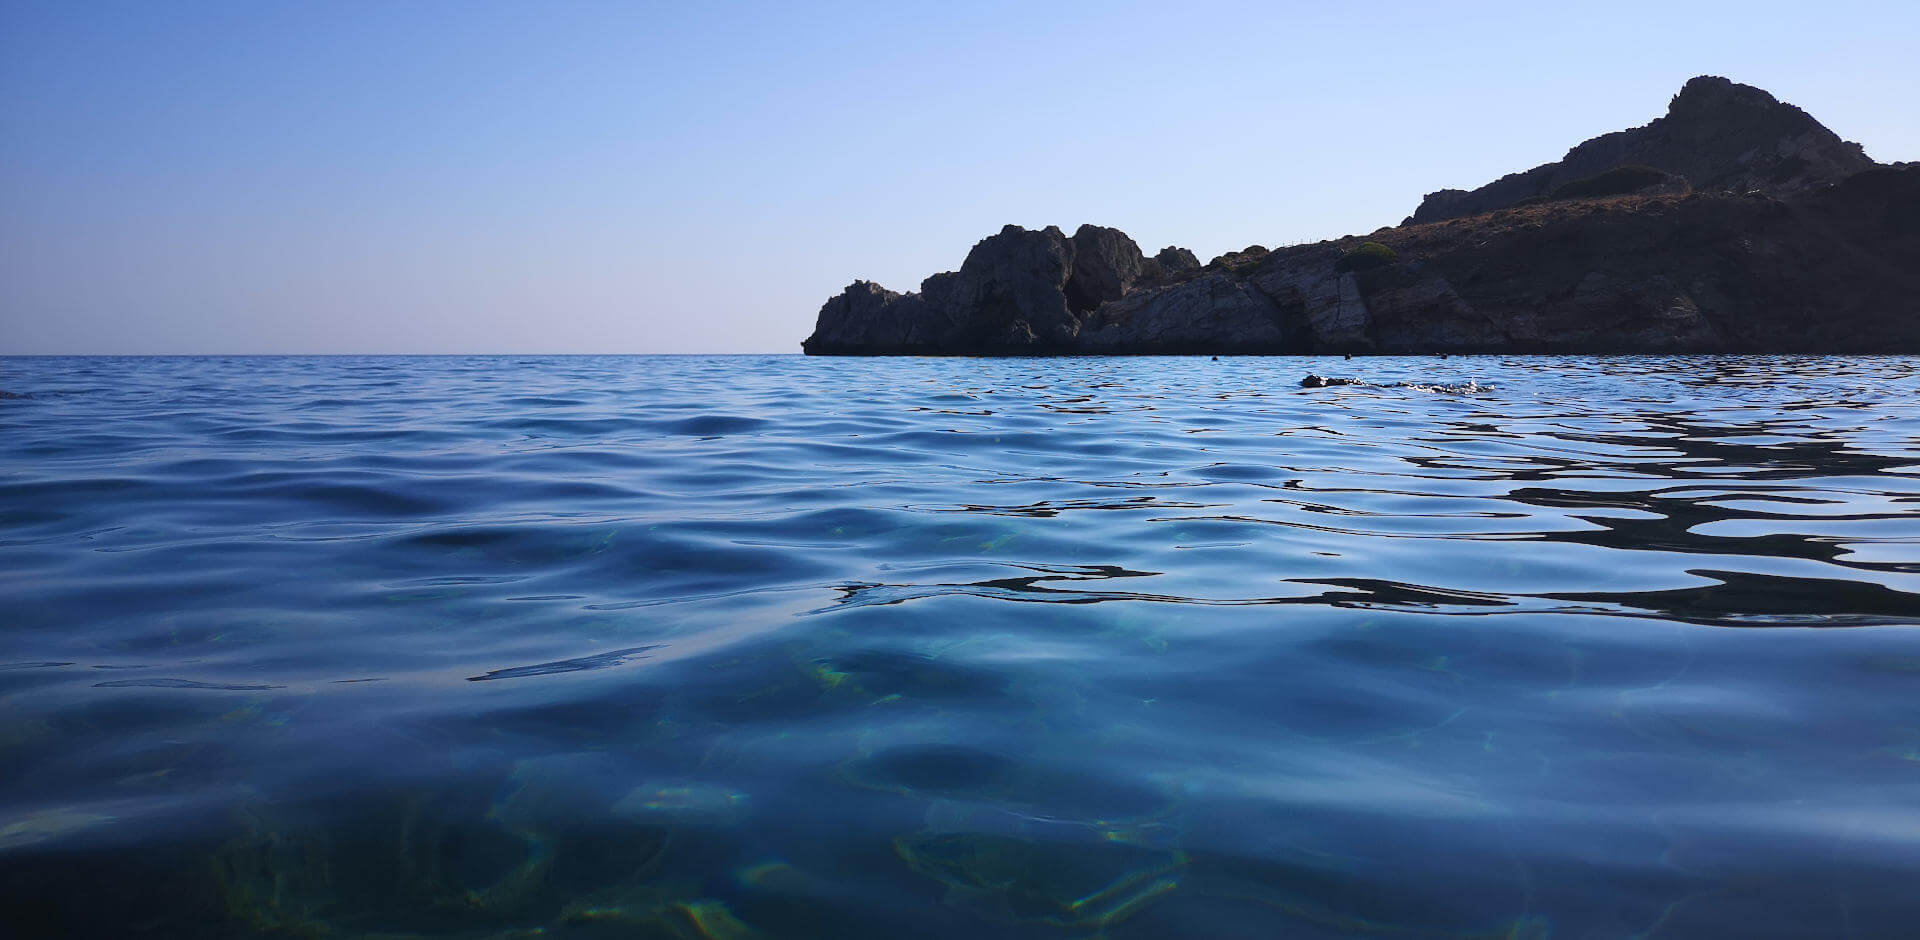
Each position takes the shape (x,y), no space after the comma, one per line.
(477,176)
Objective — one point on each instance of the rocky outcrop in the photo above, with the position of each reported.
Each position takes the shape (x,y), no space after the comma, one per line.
(1828,266)
(1011,289)
(1324,304)
(1717,135)
(868,316)
(1176,261)
(1018,292)
(1211,313)
(1837,270)
(1106,264)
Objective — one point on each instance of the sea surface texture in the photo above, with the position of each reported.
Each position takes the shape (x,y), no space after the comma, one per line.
(731,647)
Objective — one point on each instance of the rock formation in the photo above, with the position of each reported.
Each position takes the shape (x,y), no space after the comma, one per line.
(1174,261)
(1734,224)
(1018,291)
(1718,135)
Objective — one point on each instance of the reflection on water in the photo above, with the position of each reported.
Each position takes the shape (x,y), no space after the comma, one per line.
(762,647)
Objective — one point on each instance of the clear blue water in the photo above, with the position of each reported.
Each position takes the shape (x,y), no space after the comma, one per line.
(734,646)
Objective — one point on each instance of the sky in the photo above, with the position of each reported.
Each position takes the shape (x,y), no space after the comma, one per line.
(407,176)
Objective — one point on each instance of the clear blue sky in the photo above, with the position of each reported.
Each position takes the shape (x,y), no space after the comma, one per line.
(342,176)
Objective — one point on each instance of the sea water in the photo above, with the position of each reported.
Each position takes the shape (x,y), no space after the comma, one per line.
(733,647)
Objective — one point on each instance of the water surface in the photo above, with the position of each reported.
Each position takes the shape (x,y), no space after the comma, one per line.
(770,646)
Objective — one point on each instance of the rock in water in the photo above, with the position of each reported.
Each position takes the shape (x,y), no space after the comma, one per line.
(1321,381)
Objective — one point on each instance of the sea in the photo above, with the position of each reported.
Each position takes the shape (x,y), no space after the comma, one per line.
(740,647)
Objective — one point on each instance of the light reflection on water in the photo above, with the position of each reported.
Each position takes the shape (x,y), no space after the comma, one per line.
(770,646)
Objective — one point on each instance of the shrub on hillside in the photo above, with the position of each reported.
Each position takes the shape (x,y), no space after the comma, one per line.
(1368,255)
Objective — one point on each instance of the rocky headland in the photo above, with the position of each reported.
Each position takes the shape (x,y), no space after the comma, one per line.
(1734,223)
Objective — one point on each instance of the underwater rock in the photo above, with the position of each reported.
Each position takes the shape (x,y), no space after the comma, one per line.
(1018,881)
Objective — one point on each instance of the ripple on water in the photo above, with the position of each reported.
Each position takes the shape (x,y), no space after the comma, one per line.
(775,646)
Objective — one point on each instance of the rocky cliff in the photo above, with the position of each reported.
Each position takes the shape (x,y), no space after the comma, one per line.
(1687,235)
(1018,292)
(1720,136)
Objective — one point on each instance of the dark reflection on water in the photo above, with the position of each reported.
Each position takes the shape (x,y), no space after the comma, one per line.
(756,647)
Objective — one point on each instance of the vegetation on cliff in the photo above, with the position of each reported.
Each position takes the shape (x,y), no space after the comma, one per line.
(1369,255)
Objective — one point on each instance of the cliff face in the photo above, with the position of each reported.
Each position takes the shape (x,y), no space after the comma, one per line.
(1836,270)
(1829,261)
(1018,292)
(1718,135)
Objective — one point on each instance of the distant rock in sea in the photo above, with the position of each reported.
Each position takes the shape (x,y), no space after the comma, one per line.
(1735,223)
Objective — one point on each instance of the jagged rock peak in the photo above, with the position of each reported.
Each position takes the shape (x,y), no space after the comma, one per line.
(1106,264)
(1018,290)
(1176,260)
(1705,93)
(1717,135)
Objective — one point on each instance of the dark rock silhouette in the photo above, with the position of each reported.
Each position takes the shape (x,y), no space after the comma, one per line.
(1321,381)
(1734,224)
(1334,381)
(1717,135)
(1018,291)
(1106,264)
(1174,261)
(1191,316)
